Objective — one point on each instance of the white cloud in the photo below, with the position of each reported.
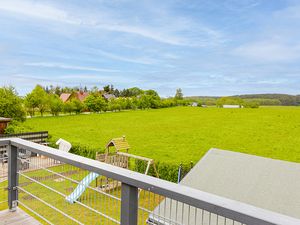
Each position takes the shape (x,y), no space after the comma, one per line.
(139,60)
(35,9)
(269,51)
(170,33)
(72,67)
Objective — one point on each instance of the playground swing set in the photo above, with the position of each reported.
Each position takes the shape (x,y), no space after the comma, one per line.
(119,157)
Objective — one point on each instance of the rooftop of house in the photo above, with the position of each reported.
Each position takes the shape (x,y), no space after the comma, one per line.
(65,96)
(108,96)
(262,182)
(80,95)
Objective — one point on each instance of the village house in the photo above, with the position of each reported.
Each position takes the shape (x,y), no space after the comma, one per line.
(80,95)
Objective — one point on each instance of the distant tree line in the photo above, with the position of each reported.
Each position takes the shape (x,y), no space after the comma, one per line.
(46,99)
(261,99)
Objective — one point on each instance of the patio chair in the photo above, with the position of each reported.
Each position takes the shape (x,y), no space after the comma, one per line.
(63,145)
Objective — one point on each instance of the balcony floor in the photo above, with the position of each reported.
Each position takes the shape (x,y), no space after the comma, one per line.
(19,217)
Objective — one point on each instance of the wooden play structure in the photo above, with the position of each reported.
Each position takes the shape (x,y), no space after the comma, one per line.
(116,153)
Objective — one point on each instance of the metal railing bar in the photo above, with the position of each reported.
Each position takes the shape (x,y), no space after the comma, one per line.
(3,202)
(63,195)
(34,212)
(35,181)
(228,208)
(51,206)
(75,181)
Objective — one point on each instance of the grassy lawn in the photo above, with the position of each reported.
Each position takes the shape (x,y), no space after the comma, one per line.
(169,135)
(91,198)
(185,133)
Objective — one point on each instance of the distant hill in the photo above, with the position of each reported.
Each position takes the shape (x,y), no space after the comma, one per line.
(263,99)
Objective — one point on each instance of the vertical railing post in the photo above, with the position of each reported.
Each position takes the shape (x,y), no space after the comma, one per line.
(12,177)
(129,205)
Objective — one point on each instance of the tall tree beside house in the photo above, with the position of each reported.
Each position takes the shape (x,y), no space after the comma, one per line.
(78,106)
(55,105)
(30,104)
(38,98)
(95,103)
(109,89)
(116,93)
(68,107)
(179,94)
(11,104)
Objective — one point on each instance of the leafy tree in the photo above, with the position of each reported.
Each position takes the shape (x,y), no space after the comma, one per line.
(11,105)
(38,98)
(117,93)
(131,92)
(95,103)
(30,104)
(229,101)
(179,94)
(55,105)
(144,102)
(78,106)
(152,93)
(251,104)
(109,89)
(114,105)
(68,107)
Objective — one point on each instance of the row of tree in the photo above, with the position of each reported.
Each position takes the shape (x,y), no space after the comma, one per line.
(45,99)
(247,103)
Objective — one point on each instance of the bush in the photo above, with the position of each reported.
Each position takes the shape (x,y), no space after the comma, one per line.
(16,127)
(166,171)
(11,105)
(251,104)
(83,151)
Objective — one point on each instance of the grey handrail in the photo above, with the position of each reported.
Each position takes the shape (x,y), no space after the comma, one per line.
(244,213)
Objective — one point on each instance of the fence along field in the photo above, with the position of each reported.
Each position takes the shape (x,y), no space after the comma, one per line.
(184,134)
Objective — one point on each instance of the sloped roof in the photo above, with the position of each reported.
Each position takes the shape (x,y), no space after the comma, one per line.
(262,182)
(81,96)
(65,96)
(118,143)
(109,96)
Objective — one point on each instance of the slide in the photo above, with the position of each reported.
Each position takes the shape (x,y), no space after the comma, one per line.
(81,187)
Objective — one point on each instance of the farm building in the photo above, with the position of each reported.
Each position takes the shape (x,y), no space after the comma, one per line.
(262,182)
(232,106)
(80,95)
(194,104)
(108,97)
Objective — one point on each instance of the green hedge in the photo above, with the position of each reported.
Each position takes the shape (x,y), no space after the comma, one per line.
(166,171)
(78,149)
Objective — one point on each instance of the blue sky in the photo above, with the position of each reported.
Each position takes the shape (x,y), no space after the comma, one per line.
(220,47)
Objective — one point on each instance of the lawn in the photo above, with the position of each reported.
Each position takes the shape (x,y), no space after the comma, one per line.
(184,134)
(99,202)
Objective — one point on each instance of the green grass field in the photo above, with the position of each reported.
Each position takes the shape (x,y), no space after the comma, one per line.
(185,133)
(91,198)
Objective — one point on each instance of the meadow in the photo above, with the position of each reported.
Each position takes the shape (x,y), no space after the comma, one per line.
(184,134)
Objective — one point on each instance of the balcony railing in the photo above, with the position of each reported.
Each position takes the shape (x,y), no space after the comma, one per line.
(63,188)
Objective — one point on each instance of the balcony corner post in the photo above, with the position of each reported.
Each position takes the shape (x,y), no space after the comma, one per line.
(129,205)
(12,177)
